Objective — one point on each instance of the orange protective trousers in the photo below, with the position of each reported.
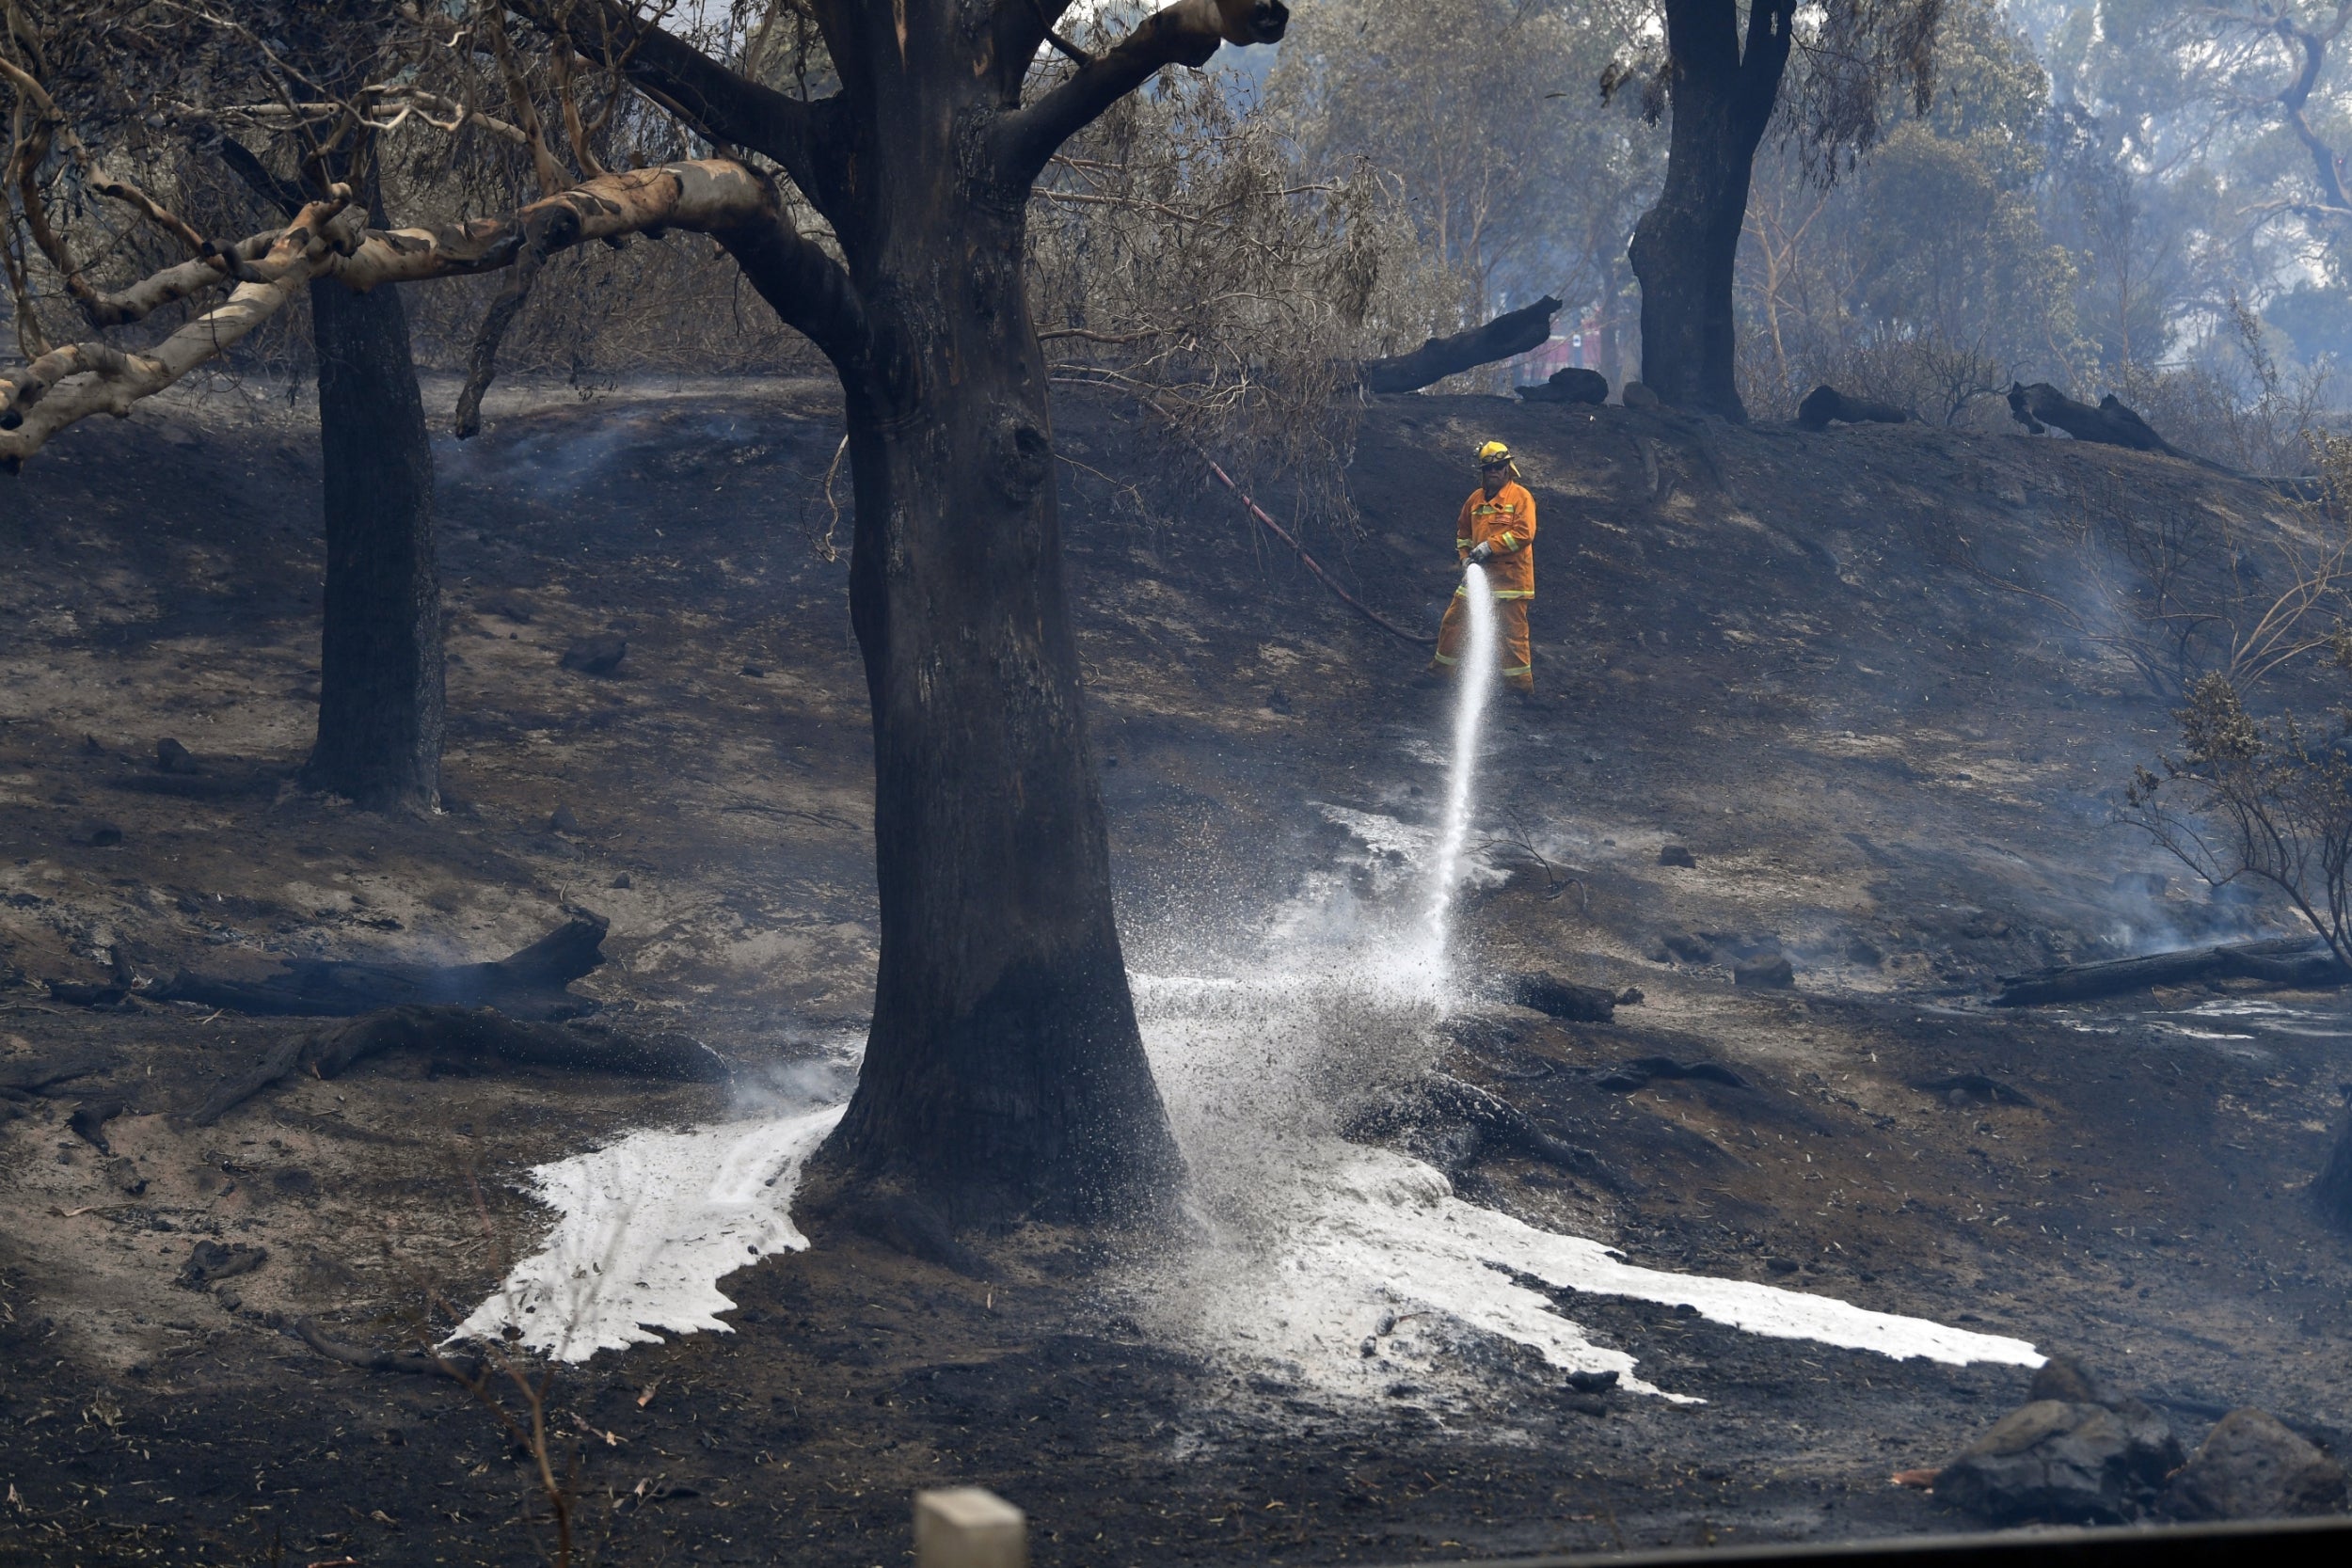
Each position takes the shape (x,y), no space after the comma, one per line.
(1504,522)
(1516,659)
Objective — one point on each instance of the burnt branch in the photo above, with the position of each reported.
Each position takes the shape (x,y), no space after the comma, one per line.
(1186,33)
(728,108)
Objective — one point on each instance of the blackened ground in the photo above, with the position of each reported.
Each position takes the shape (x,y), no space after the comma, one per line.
(1784,651)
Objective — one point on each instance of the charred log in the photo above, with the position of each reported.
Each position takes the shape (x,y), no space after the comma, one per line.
(1564,999)
(528,984)
(2111,424)
(480,1035)
(2286,961)
(1826,405)
(1512,332)
(1568,384)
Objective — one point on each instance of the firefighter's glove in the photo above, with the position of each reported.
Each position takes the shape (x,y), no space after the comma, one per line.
(1481,554)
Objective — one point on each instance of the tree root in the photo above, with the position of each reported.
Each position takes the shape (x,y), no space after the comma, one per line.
(385,1360)
(477,1032)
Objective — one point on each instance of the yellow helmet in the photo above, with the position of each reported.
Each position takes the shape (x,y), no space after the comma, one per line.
(1492,453)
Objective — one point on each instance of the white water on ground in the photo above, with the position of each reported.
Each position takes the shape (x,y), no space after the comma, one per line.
(1340,1270)
(648,1227)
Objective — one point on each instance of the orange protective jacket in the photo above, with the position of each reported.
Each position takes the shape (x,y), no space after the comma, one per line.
(1506,520)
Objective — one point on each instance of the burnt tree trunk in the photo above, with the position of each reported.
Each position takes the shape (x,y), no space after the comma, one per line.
(1005,1073)
(380,672)
(1004,1069)
(1684,247)
(380,669)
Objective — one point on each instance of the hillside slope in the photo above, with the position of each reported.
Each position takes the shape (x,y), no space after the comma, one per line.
(1791,655)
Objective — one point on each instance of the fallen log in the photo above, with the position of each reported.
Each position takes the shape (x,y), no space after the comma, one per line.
(1512,332)
(479,1033)
(528,984)
(2111,424)
(2286,961)
(1825,405)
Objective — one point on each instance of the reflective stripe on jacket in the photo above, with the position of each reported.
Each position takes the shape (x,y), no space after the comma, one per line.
(1505,520)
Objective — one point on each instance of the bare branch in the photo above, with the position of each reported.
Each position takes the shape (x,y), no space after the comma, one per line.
(493,25)
(1185,32)
(726,199)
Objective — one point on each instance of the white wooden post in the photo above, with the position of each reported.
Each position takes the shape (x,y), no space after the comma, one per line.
(968,1527)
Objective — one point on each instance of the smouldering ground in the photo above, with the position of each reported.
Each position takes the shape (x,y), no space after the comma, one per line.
(1761,644)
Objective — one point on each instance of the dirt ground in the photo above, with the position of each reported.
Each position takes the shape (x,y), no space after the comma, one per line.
(1789,654)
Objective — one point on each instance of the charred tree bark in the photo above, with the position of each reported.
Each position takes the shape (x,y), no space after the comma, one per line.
(380,669)
(1684,247)
(1004,1071)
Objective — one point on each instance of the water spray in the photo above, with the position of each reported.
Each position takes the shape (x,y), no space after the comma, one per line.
(1470,709)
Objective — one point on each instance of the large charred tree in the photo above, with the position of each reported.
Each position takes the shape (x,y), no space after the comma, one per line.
(1722,90)
(381,671)
(1005,1075)
(380,666)
(1004,1071)
(1722,78)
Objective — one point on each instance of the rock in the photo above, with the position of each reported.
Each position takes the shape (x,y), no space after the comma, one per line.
(1564,999)
(2064,1461)
(1771,970)
(1966,1088)
(172,757)
(1638,396)
(1678,854)
(2063,1377)
(1629,1076)
(97,834)
(209,1261)
(2250,1466)
(561,821)
(1687,947)
(1569,385)
(88,1122)
(600,655)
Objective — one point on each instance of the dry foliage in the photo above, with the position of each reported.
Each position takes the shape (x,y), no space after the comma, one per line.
(1177,255)
(2268,797)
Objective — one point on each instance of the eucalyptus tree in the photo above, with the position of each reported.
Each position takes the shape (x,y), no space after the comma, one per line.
(1004,1071)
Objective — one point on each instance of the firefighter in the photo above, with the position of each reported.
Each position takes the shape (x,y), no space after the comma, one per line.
(1496,530)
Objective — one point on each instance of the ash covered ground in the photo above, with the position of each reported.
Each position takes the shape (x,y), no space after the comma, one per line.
(1787,654)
